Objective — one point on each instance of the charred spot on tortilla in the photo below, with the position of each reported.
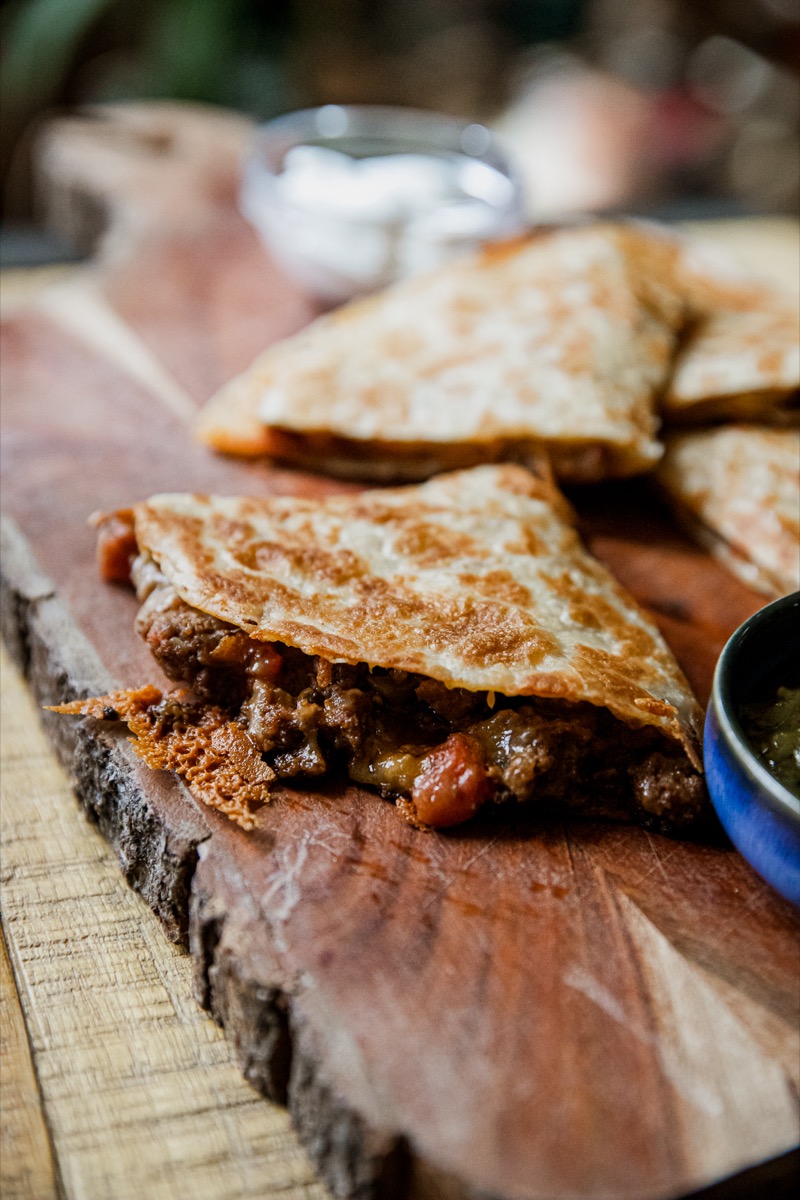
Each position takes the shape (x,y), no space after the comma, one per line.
(450,645)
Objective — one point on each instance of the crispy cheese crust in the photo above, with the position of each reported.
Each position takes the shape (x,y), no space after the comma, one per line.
(200,743)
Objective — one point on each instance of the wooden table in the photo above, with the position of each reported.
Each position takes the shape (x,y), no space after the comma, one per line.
(115,1084)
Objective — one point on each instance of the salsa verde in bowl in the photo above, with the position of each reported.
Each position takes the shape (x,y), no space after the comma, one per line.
(752,743)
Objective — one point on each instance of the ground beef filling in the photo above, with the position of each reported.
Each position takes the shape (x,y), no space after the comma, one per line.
(440,753)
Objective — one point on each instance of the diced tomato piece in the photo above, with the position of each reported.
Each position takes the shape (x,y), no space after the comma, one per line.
(452,783)
(264,661)
(116,546)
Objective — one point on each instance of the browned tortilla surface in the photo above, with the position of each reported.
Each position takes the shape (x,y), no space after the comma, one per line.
(475,579)
(737,488)
(558,341)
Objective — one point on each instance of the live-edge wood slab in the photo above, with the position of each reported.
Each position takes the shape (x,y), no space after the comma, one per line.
(519,1009)
(113,1083)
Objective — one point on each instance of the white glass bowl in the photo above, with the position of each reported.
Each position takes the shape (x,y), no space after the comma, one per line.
(348,199)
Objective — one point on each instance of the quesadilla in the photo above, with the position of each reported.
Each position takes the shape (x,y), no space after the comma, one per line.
(740,355)
(737,490)
(449,644)
(558,341)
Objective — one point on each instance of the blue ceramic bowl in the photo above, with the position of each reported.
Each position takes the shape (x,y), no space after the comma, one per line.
(759,814)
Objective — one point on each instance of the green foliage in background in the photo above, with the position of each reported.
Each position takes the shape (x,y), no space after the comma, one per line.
(40,39)
(228,52)
(262,57)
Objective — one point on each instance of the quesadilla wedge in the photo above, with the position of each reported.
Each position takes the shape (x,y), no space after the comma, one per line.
(736,489)
(740,356)
(448,644)
(558,341)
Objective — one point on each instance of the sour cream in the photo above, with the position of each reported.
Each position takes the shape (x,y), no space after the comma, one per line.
(343,221)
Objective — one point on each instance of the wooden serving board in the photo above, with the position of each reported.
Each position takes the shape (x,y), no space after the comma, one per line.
(520,1009)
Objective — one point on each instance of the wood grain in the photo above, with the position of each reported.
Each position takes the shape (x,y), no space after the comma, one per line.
(141,1092)
(519,1009)
(26,1162)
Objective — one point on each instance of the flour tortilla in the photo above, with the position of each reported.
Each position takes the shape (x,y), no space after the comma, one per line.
(476,579)
(558,341)
(737,489)
(740,357)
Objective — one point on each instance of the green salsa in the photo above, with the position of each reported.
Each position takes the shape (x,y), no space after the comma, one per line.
(773,730)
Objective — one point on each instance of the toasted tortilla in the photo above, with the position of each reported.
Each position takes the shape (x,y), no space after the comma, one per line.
(737,490)
(558,341)
(740,357)
(448,643)
(473,579)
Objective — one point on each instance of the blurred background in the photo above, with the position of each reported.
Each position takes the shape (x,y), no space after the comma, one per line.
(669,107)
